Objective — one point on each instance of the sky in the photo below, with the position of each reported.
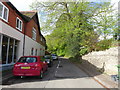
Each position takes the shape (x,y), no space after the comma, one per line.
(24,5)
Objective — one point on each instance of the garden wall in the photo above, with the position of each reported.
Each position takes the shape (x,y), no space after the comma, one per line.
(106,61)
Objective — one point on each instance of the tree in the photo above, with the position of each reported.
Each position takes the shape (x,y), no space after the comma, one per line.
(105,23)
(72,25)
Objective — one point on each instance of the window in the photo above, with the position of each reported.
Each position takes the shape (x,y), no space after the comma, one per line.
(32,50)
(0,49)
(15,50)
(4,49)
(34,34)
(27,60)
(3,12)
(36,52)
(1,9)
(19,24)
(11,43)
(9,50)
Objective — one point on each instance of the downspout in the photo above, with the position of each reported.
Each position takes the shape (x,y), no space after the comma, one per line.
(24,39)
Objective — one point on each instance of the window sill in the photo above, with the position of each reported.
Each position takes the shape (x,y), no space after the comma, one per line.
(18,29)
(4,20)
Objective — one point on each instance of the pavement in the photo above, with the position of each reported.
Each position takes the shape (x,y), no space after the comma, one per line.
(5,76)
(102,78)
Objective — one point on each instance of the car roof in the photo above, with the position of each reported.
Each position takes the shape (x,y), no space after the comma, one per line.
(53,54)
(32,56)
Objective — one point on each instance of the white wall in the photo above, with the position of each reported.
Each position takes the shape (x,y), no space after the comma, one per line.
(13,33)
(29,44)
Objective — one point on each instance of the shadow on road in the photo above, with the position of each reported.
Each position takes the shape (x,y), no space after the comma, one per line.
(90,69)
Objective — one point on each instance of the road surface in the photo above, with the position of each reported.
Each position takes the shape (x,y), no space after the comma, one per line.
(62,74)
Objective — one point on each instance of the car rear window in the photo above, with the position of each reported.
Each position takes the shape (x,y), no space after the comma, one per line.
(47,57)
(27,60)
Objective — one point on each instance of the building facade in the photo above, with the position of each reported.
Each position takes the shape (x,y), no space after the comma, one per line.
(19,35)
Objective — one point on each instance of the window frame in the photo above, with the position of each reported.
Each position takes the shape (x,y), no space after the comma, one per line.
(34,31)
(7,53)
(3,12)
(19,20)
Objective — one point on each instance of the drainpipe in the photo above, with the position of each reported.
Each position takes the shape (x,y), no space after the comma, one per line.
(24,39)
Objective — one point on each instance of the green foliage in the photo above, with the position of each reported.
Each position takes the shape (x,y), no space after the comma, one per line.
(104,44)
(76,26)
(84,51)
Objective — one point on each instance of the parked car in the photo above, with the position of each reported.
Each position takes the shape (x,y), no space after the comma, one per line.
(54,56)
(30,66)
(49,60)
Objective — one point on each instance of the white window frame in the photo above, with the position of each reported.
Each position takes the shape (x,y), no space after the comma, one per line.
(20,29)
(3,12)
(34,31)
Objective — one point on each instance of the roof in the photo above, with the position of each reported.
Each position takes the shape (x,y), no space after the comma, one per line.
(28,14)
(12,6)
(32,15)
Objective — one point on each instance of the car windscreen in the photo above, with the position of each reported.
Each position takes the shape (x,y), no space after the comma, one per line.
(47,57)
(27,60)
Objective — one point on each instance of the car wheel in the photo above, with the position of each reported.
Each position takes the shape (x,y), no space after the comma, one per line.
(41,74)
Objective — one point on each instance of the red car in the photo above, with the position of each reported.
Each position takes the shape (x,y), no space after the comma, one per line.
(30,66)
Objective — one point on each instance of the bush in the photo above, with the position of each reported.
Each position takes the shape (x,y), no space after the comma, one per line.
(83,51)
(103,44)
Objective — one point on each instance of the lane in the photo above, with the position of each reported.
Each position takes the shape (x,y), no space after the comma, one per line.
(70,76)
(63,74)
(32,82)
